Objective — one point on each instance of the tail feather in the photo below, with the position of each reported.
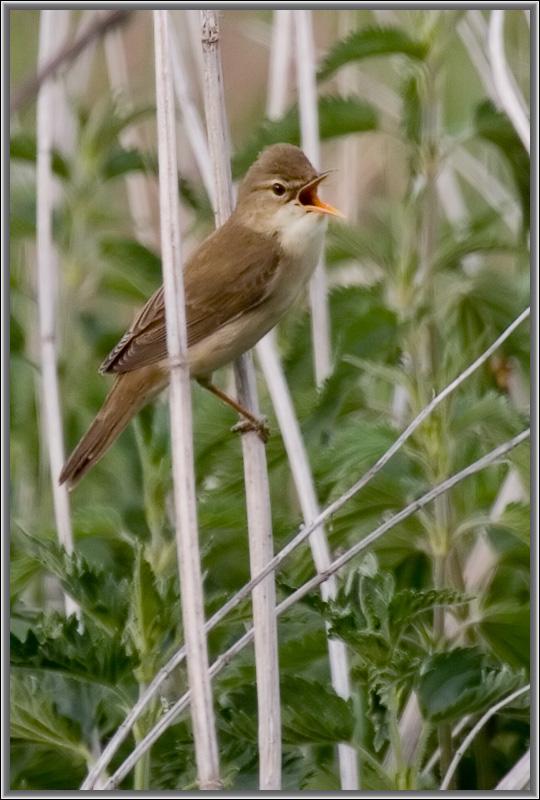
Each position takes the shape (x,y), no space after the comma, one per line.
(130,392)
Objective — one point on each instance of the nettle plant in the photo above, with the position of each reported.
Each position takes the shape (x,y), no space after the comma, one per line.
(423,277)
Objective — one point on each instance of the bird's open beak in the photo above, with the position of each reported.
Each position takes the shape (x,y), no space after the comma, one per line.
(307,198)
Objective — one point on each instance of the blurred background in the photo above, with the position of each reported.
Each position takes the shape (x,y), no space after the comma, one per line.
(429,267)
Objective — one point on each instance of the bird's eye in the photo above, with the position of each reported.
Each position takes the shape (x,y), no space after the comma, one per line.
(278,189)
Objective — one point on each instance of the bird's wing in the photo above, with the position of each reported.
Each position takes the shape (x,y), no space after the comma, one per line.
(235,278)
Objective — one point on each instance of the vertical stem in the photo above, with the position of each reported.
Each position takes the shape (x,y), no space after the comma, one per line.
(485,777)
(261,550)
(429,356)
(280,63)
(505,86)
(444,733)
(303,480)
(255,468)
(141,771)
(47,286)
(136,183)
(320,327)
(192,124)
(395,740)
(206,749)
(309,127)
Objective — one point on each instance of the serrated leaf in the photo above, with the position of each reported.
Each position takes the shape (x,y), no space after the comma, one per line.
(475,238)
(459,682)
(492,413)
(314,713)
(407,604)
(56,644)
(34,719)
(368,42)
(98,592)
(147,613)
(238,710)
(338,116)
(379,716)
(23,569)
(376,594)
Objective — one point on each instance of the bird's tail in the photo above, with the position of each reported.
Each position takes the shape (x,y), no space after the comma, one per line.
(130,392)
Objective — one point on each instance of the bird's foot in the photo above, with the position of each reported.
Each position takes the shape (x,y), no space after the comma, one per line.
(259,426)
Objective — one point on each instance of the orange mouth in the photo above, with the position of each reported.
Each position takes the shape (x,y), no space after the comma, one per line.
(308,199)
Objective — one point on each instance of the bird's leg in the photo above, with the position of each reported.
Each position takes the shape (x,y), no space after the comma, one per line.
(250,421)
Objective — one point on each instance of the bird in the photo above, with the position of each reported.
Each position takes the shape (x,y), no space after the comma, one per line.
(238,284)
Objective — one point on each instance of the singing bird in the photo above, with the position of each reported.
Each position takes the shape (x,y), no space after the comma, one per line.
(238,283)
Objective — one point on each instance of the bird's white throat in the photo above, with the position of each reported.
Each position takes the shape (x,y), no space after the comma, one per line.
(301,232)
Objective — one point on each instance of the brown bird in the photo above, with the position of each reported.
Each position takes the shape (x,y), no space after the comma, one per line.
(238,284)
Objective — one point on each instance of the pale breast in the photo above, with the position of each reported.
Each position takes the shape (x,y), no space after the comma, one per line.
(301,237)
(302,247)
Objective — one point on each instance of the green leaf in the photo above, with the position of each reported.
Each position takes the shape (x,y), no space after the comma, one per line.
(33,718)
(57,644)
(495,127)
(238,713)
(147,614)
(338,116)
(23,146)
(370,246)
(101,128)
(460,682)
(407,604)
(197,199)
(373,41)
(99,592)
(312,712)
(121,161)
(491,414)
(134,269)
(22,215)
(516,518)
(376,594)
(477,237)
(303,651)
(507,630)
(40,768)
(411,93)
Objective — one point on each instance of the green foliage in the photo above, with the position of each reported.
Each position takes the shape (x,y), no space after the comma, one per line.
(24,147)
(33,719)
(48,749)
(495,127)
(338,116)
(415,297)
(386,630)
(313,713)
(461,682)
(369,42)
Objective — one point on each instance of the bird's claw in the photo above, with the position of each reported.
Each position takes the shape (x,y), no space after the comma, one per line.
(259,426)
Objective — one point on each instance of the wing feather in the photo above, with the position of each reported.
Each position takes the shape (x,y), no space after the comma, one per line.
(230,273)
